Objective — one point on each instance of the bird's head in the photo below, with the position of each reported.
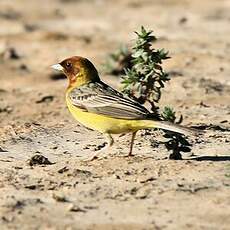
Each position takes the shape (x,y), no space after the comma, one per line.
(78,70)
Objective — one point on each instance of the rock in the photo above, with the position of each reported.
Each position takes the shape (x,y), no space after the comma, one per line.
(39,159)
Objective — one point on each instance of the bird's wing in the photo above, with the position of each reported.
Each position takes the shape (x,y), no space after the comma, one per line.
(100,98)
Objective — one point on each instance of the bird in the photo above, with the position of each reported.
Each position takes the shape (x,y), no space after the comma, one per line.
(100,107)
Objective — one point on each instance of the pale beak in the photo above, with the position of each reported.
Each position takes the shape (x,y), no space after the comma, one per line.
(57,67)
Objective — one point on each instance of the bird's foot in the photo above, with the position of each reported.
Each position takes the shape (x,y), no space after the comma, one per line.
(98,155)
(101,147)
(130,155)
(101,150)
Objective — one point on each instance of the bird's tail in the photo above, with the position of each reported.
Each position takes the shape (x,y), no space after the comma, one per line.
(174,128)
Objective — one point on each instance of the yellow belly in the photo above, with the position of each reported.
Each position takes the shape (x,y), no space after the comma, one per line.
(105,124)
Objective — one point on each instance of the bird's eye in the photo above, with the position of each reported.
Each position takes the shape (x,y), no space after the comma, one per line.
(68,64)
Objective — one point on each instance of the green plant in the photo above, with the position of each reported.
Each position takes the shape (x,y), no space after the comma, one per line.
(146,77)
(176,143)
(168,114)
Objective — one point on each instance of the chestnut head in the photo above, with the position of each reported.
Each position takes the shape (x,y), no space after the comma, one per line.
(78,70)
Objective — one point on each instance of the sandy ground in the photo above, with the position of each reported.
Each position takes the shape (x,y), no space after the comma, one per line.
(147,191)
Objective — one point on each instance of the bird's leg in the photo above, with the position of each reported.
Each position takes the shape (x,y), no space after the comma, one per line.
(110,140)
(131,144)
(101,153)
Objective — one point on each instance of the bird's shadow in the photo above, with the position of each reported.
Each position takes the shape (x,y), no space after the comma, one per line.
(211,158)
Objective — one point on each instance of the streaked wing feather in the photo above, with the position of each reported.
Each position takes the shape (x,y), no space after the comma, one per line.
(101,99)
